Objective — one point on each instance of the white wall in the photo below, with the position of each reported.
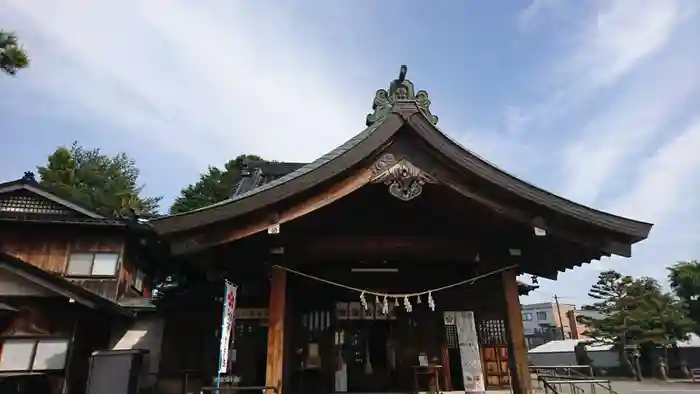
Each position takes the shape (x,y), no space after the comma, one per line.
(601,359)
(146,332)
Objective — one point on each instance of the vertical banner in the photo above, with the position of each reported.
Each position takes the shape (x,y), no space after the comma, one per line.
(227,324)
(469,354)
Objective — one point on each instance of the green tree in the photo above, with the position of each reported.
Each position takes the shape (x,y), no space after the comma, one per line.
(12,55)
(658,317)
(609,290)
(635,312)
(684,278)
(213,186)
(105,184)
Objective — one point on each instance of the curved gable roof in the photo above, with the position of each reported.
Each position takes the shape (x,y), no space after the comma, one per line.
(473,163)
(394,108)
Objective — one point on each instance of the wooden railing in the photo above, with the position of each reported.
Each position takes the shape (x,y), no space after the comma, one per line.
(554,378)
(575,385)
(563,370)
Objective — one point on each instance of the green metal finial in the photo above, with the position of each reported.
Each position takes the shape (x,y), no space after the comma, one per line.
(402,72)
(400,89)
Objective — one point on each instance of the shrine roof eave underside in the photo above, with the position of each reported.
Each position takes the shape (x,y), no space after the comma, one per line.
(367,144)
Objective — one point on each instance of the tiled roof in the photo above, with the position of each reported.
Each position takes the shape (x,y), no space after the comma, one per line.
(258,173)
(28,184)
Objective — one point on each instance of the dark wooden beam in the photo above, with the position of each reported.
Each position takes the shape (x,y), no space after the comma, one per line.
(417,248)
(368,246)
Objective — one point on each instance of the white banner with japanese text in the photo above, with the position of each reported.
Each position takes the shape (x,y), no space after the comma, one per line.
(227,326)
(472,372)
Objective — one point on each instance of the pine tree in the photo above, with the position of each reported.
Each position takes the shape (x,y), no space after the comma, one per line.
(13,57)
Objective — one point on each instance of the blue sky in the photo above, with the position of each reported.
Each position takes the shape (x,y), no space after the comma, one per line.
(597,101)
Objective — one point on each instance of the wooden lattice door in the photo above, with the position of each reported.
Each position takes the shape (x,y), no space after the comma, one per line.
(492,333)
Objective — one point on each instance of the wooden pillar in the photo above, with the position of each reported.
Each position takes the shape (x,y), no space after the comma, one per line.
(517,351)
(275,336)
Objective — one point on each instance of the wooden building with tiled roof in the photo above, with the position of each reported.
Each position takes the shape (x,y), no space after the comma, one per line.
(71,282)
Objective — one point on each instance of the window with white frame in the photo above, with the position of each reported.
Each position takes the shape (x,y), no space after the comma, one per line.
(92,264)
(33,354)
(541,315)
(527,316)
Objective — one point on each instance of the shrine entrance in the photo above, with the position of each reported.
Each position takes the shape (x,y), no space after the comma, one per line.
(344,341)
(250,347)
(368,356)
(341,346)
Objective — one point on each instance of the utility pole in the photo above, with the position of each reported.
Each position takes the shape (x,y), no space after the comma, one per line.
(561,321)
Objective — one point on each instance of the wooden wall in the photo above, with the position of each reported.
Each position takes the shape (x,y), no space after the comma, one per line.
(49,246)
(87,329)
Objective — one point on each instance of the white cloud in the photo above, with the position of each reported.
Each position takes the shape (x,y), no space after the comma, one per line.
(207,82)
(625,127)
(616,43)
(537,12)
(610,44)
(619,37)
(663,195)
(613,44)
(664,178)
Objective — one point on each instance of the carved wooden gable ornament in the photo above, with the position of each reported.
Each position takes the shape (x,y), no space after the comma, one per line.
(405,180)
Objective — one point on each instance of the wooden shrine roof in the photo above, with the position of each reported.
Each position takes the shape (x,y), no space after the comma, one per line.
(395,109)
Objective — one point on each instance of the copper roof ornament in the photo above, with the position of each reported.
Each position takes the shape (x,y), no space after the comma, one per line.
(400,89)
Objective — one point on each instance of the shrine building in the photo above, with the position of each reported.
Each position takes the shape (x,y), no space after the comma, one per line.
(387,259)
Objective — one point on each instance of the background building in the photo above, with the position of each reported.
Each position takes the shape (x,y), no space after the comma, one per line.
(544,322)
